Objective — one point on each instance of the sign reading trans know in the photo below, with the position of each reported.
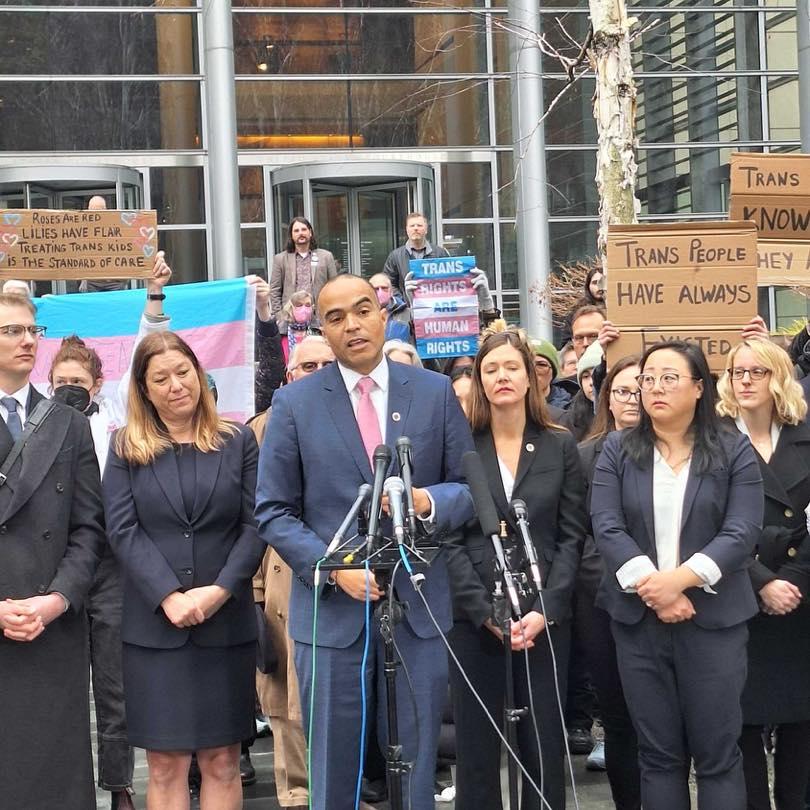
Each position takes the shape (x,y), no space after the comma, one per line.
(445,307)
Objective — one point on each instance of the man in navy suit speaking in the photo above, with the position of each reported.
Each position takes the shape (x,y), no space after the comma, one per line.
(317,452)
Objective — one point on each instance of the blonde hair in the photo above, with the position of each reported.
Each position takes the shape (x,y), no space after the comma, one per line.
(297,299)
(406,348)
(788,398)
(145,437)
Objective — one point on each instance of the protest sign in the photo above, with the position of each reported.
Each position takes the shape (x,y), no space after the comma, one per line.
(445,307)
(42,244)
(785,264)
(699,274)
(715,343)
(773,191)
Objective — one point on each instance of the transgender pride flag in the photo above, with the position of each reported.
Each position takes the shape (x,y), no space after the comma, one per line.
(215,318)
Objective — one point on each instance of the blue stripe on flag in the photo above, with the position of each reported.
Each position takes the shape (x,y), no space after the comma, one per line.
(108,314)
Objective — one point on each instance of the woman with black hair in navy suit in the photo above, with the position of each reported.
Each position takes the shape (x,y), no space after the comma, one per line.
(677,506)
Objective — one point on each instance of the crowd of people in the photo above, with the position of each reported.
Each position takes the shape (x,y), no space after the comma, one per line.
(141,535)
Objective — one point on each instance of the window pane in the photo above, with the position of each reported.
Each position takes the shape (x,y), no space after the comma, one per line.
(186,254)
(112,115)
(571,241)
(466,190)
(780,41)
(329,114)
(113,3)
(359,43)
(177,195)
(62,43)
(571,185)
(506,184)
(359,4)
(783,108)
(472,240)
(251,194)
(571,120)
(509,268)
(254,252)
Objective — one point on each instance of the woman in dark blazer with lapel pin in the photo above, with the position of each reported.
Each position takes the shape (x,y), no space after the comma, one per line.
(760,397)
(179,494)
(676,507)
(525,457)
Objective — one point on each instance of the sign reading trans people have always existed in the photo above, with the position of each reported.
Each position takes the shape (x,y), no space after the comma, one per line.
(445,307)
(41,244)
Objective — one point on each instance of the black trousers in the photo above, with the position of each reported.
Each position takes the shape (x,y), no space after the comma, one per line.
(580,706)
(621,744)
(791,763)
(683,685)
(115,757)
(478,748)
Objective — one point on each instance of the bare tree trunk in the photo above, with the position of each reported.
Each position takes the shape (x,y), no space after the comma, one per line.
(614,108)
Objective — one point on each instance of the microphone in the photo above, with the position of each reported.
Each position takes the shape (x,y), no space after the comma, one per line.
(363,494)
(521,514)
(381,460)
(404,454)
(488,517)
(394,488)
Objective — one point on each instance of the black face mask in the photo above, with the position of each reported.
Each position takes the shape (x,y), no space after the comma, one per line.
(74,396)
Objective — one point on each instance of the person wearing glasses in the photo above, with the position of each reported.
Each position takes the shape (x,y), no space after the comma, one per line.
(52,527)
(618,408)
(676,509)
(759,394)
(525,456)
(278,692)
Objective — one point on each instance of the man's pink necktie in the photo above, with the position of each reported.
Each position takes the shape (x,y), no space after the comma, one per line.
(367,419)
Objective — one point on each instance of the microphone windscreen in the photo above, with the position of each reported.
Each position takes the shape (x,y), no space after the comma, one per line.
(482,497)
(382,453)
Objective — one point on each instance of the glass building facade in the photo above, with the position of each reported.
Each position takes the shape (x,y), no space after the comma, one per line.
(355,112)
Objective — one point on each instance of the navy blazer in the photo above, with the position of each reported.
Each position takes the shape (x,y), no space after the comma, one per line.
(549,480)
(161,550)
(311,465)
(722,518)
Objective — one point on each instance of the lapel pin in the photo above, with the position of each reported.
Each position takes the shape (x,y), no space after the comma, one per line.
(530,447)
(395,416)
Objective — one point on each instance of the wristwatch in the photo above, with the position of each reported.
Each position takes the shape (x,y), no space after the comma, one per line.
(156,296)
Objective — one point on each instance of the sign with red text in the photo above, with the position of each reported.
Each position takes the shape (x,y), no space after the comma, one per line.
(445,307)
(42,244)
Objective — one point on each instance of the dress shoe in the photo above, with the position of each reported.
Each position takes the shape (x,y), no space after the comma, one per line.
(246,770)
(373,791)
(122,800)
(580,741)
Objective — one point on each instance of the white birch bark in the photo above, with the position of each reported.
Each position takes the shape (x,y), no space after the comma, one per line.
(614,109)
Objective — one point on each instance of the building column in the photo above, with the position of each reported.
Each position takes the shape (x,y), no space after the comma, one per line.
(803,31)
(220,115)
(531,197)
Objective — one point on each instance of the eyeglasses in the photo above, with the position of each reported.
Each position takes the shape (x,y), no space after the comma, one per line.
(311,365)
(544,364)
(669,381)
(17,330)
(755,373)
(625,394)
(589,336)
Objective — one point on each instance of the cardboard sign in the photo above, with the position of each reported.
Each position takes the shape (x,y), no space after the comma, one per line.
(686,274)
(783,264)
(715,343)
(773,191)
(42,244)
(445,307)
(781,175)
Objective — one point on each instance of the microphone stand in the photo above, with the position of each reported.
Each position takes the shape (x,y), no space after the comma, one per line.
(502,616)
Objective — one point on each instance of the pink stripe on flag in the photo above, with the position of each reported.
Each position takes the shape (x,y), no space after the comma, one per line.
(446,326)
(218,346)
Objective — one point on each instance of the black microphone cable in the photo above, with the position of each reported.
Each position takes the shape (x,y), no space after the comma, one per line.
(417,587)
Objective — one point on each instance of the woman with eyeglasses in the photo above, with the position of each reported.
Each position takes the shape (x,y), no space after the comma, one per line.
(676,507)
(618,408)
(525,457)
(760,397)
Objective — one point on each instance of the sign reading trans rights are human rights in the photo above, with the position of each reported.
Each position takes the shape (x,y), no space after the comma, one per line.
(445,307)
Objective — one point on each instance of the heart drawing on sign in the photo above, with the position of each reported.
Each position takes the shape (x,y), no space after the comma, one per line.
(128,217)
(148,251)
(11,239)
(147,233)
(12,219)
